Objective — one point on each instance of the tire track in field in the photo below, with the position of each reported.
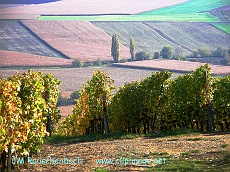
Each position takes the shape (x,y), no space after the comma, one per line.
(161,34)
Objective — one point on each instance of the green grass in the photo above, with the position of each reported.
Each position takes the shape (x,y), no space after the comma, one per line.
(223,26)
(196,17)
(221,164)
(57,139)
(194,139)
(189,7)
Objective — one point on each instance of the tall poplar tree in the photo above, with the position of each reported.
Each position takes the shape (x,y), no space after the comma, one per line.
(115,49)
(132,48)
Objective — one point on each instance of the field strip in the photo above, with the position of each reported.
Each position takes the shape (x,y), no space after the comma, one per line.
(173,65)
(160,33)
(14,36)
(73,78)
(44,42)
(13,59)
(76,39)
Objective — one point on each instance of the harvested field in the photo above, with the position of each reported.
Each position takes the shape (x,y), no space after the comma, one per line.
(65,110)
(76,39)
(174,65)
(9,58)
(73,7)
(73,78)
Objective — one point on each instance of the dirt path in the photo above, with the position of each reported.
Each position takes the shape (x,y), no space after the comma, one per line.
(123,153)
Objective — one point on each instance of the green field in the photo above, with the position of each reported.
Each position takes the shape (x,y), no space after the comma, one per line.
(190,7)
(197,17)
(223,26)
(192,11)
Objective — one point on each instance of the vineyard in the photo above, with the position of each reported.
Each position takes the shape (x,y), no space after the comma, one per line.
(195,100)
(28,113)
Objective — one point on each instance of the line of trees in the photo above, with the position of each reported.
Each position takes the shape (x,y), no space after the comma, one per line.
(167,52)
(192,101)
(28,113)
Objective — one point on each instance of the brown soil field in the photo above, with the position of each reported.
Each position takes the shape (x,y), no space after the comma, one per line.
(65,110)
(73,7)
(73,78)
(174,65)
(10,58)
(76,39)
(206,148)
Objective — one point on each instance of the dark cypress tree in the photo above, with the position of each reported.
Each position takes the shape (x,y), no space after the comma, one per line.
(115,49)
(132,49)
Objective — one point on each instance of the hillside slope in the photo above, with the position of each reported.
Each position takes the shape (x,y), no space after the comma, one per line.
(76,39)
(153,36)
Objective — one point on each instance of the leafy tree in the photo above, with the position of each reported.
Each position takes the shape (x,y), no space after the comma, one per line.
(156,55)
(201,52)
(142,55)
(226,60)
(166,52)
(115,49)
(77,63)
(132,49)
(219,52)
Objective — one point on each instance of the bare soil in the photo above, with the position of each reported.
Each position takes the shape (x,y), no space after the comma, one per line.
(73,7)
(76,39)
(73,78)
(174,65)
(206,147)
(10,58)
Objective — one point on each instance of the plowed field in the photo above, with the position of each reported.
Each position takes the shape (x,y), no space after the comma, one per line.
(76,39)
(9,58)
(174,65)
(73,78)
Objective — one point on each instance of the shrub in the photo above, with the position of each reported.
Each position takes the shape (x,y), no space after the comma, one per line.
(97,62)
(123,60)
(142,55)
(166,52)
(77,63)
(156,55)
